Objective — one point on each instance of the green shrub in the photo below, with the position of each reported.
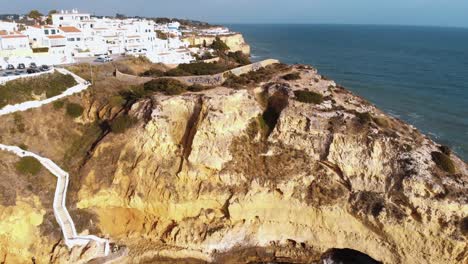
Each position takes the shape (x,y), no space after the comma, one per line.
(23,146)
(58,104)
(443,161)
(219,45)
(74,110)
(292,76)
(381,122)
(122,123)
(154,73)
(167,86)
(239,57)
(446,150)
(28,165)
(364,118)
(308,97)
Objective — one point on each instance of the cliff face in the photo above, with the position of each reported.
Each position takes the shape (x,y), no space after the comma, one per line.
(224,170)
(237,176)
(235,41)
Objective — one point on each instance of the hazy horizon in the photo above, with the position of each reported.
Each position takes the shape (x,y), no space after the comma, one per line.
(360,12)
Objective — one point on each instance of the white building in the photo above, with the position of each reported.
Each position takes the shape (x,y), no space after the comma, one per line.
(14,44)
(73,18)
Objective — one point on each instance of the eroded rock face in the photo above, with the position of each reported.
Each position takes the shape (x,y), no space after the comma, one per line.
(238,176)
(205,176)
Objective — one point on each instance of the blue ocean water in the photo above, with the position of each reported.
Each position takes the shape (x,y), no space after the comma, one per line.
(418,74)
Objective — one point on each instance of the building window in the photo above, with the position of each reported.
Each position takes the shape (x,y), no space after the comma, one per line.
(61,18)
(78,39)
(46,31)
(52,31)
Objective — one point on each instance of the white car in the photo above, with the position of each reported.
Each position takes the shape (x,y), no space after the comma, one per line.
(104,58)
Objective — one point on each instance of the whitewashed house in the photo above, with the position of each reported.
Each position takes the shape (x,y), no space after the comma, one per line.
(14,44)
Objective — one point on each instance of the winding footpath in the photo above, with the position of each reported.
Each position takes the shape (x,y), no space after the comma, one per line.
(62,216)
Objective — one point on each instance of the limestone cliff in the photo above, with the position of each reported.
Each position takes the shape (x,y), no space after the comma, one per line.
(204,175)
(234,41)
(284,171)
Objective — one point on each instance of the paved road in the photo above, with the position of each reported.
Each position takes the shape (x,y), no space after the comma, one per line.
(62,216)
(92,60)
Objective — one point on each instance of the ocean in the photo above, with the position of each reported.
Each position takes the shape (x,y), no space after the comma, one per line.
(418,74)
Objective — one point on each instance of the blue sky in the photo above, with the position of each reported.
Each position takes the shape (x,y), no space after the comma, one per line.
(399,12)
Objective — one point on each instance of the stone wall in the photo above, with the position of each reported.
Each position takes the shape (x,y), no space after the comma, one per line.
(131,78)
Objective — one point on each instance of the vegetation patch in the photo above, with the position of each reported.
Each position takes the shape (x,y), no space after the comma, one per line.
(239,57)
(28,165)
(166,85)
(292,76)
(443,161)
(74,110)
(364,118)
(381,122)
(254,77)
(27,89)
(308,97)
(219,45)
(197,88)
(120,124)
(58,104)
(446,150)
(198,68)
(117,100)
(83,143)
(19,124)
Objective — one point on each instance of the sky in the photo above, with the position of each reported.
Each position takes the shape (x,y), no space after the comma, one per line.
(395,12)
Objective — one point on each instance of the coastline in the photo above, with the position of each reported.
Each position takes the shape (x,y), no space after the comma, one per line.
(405,89)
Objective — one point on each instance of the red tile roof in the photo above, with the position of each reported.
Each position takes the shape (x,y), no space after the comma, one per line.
(70,29)
(55,36)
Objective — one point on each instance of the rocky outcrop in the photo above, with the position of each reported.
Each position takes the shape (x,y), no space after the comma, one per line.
(209,174)
(294,171)
(234,41)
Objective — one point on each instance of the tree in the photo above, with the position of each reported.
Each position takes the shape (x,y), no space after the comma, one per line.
(35,14)
(49,17)
(120,16)
(219,45)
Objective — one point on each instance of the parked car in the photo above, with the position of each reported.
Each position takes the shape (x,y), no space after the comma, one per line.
(17,72)
(33,65)
(104,58)
(10,67)
(44,68)
(31,71)
(21,66)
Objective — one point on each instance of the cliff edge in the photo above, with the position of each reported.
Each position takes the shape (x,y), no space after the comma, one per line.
(284,169)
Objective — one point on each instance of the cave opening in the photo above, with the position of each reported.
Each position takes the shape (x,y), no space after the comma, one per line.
(276,103)
(346,256)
